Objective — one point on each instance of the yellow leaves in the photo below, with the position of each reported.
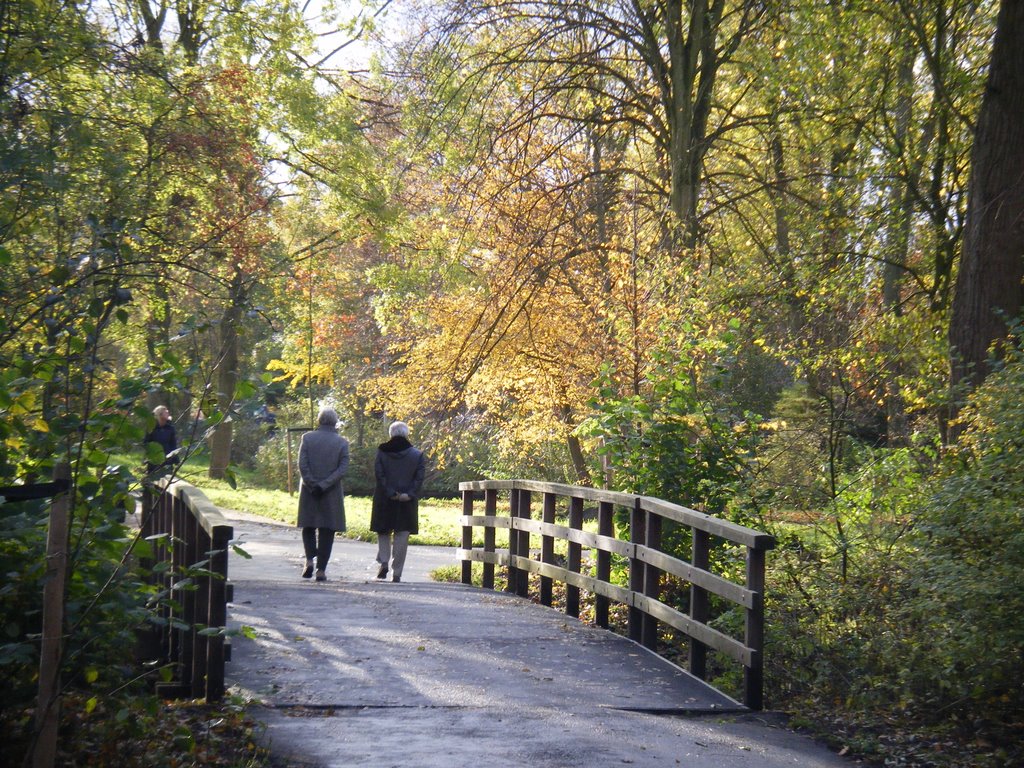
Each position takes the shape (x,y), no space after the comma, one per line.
(298,372)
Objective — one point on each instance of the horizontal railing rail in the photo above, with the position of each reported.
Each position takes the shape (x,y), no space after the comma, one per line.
(647,562)
(190,539)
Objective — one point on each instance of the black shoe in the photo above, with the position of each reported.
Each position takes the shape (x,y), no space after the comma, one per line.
(382,572)
(321,576)
(307,573)
(396,579)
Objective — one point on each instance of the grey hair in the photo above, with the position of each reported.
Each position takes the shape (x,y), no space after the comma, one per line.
(328,417)
(161,409)
(398,429)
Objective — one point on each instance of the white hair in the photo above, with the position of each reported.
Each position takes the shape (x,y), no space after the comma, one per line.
(161,409)
(328,417)
(398,429)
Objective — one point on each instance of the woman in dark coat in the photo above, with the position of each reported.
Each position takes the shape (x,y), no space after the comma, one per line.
(323,459)
(399,470)
(165,436)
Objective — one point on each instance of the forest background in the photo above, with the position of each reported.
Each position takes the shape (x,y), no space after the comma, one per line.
(763,259)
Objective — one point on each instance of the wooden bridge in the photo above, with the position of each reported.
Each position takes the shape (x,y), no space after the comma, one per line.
(643,554)
(192,638)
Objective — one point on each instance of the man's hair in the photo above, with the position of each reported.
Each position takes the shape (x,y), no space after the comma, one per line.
(398,429)
(328,417)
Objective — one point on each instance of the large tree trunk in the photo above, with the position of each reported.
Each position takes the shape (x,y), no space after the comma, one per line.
(988,286)
(227,379)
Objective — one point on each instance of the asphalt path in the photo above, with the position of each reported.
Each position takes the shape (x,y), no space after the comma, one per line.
(359,672)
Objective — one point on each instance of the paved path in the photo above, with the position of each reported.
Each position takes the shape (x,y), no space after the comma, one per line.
(360,672)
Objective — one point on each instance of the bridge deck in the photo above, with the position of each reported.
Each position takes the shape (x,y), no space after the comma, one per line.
(359,672)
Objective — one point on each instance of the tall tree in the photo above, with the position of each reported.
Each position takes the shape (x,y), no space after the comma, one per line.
(989,289)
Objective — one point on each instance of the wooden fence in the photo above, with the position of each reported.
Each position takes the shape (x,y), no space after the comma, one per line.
(190,540)
(646,564)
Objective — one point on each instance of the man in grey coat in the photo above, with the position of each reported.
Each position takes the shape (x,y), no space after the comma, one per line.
(399,470)
(323,459)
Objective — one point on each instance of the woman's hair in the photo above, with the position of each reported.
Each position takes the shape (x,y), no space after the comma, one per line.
(328,417)
(161,409)
(398,429)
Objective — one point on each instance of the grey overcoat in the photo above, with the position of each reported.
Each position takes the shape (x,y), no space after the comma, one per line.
(323,459)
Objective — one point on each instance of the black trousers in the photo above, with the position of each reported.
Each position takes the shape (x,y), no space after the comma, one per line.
(318,543)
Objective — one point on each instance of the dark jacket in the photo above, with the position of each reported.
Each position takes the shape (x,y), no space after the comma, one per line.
(323,459)
(167,437)
(399,468)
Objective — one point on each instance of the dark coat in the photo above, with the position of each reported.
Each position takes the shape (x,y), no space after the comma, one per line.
(399,468)
(323,459)
(167,437)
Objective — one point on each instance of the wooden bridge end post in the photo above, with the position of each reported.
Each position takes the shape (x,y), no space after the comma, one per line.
(192,657)
(218,611)
(753,677)
(637,536)
(51,650)
(490,510)
(700,607)
(575,557)
(547,549)
(467,536)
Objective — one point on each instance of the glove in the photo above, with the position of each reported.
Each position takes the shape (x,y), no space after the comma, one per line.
(404,497)
(316,491)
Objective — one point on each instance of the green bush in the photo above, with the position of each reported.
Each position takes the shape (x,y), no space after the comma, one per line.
(966,572)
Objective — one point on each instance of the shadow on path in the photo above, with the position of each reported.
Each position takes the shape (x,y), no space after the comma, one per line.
(357,672)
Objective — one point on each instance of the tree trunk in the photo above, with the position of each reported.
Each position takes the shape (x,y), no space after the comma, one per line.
(988,287)
(227,379)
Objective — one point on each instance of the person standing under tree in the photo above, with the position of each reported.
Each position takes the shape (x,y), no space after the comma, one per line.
(323,459)
(164,435)
(399,470)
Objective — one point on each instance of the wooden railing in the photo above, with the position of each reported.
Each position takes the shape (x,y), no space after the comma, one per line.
(190,540)
(646,561)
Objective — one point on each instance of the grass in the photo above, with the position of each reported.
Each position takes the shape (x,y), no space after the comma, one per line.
(439,518)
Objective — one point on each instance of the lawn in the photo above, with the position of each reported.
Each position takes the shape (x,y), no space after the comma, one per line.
(438,517)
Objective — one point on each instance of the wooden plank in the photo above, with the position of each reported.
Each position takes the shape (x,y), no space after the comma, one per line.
(499,557)
(704,579)
(748,537)
(716,526)
(485,521)
(731,647)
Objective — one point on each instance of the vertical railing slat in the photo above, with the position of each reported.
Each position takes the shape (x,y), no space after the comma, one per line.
(467,536)
(490,510)
(575,557)
(605,527)
(547,549)
(700,606)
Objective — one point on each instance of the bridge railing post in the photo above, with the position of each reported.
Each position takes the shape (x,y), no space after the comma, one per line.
(700,605)
(605,527)
(637,535)
(490,510)
(753,675)
(652,582)
(512,572)
(574,559)
(525,513)
(467,536)
(216,652)
(547,549)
